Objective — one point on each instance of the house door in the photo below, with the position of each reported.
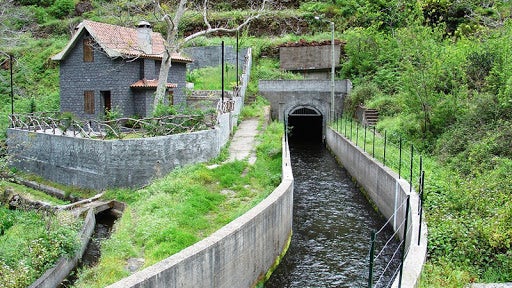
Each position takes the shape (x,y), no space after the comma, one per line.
(107,101)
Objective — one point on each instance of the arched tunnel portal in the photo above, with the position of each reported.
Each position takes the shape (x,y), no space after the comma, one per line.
(305,124)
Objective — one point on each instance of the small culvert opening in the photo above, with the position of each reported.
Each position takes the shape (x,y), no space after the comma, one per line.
(103,228)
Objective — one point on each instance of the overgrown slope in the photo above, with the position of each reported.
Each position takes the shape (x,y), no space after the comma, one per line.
(438,71)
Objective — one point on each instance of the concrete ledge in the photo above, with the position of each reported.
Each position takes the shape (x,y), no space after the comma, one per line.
(387,192)
(237,255)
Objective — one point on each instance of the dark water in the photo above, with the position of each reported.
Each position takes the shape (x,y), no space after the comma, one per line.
(332,223)
(104,222)
(103,229)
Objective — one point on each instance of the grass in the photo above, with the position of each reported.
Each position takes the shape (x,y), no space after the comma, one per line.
(31,193)
(209,78)
(184,207)
(31,242)
(69,190)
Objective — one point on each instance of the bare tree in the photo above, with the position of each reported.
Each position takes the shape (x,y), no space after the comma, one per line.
(173,43)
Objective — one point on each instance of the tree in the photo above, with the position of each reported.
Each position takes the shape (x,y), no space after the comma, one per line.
(173,43)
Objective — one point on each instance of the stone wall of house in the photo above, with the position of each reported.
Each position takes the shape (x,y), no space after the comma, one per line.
(103,74)
(116,76)
(177,75)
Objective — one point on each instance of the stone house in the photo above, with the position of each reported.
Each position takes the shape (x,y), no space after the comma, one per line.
(107,67)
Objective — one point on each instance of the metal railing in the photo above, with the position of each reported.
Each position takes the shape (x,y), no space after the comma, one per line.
(395,154)
(391,151)
(226,106)
(393,266)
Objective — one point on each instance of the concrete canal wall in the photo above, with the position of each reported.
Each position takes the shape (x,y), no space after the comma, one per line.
(389,194)
(237,255)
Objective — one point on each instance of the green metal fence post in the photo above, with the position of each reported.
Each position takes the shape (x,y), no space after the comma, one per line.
(420,207)
(412,163)
(337,122)
(373,146)
(400,159)
(351,120)
(364,145)
(372,253)
(345,121)
(404,241)
(357,135)
(385,144)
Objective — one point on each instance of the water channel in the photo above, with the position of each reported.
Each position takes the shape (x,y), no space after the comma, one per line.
(332,223)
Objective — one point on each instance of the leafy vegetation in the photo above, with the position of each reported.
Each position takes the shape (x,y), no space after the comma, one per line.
(184,207)
(448,94)
(208,78)
(32,242)
(437,70)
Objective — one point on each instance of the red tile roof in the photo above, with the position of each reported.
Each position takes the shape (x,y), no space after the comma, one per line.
(150,84)
(119,41)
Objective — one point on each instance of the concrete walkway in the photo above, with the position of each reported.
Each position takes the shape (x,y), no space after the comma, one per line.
(243,143)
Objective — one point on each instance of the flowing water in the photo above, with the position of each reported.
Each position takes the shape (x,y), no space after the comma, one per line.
(104,222)
(332,223)
(102,230)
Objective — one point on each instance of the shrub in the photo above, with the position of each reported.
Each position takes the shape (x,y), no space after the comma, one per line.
(32,242)
(359,96)
(62,8)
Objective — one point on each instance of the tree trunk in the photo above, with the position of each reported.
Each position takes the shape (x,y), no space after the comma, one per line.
(162,80)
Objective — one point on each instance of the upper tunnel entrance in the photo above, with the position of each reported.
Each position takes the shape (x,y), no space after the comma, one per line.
(305,125)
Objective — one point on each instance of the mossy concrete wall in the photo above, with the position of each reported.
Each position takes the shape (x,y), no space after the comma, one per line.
(237,255)
(389,193)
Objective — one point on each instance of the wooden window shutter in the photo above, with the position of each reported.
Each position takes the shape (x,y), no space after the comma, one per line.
(88,50)
(89,102)
(170,97)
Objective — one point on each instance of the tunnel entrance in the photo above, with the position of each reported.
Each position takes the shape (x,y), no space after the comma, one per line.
(305,125)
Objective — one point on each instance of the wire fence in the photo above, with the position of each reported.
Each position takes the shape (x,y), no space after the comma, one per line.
(385,250)
(391,150)
(395,153)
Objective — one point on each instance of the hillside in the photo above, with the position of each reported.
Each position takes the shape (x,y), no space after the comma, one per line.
(438,72)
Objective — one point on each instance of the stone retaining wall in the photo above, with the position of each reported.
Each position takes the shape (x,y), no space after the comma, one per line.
(387,192)
(102,164)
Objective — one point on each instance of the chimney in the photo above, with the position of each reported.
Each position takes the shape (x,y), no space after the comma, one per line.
(144,39)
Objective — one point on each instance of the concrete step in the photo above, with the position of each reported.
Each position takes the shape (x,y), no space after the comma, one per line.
(371,116)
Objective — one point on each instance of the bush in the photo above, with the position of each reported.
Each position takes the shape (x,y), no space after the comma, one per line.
(42,3)
(359,96)
(62,8)
(32,242)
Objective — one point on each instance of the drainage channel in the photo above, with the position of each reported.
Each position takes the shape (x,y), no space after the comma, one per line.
(332,223)
(102,230)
